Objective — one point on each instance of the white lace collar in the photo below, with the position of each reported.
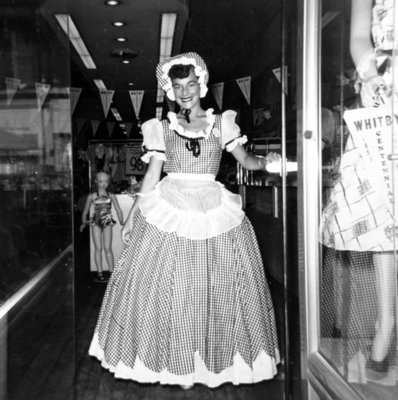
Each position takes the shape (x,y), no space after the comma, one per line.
(210,117)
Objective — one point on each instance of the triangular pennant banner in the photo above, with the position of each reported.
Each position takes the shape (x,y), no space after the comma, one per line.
(129,126)
(278,75)
(106,99)
(42,90)
(74,94)
(217,90)
(94,126)
(110,125)
(136,98)
(12,84)
(80,123)
(244,84)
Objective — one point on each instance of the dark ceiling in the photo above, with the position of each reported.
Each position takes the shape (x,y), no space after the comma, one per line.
(236,38)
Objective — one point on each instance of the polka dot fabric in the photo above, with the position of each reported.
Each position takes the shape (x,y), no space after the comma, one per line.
(183,311)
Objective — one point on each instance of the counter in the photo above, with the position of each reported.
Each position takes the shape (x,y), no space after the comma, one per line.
(126,202)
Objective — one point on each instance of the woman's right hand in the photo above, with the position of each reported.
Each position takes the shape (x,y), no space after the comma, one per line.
(126,230)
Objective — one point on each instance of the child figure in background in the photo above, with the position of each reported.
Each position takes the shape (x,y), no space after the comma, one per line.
(102,222)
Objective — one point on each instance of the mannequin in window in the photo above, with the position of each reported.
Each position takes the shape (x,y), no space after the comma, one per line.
(374,65)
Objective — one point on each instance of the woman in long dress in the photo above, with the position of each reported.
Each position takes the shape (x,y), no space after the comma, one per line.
(188,301)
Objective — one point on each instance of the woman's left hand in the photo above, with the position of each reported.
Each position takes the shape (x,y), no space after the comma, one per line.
(273,157)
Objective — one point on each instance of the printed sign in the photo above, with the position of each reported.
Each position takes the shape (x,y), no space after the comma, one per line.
(134,164)
(372,132)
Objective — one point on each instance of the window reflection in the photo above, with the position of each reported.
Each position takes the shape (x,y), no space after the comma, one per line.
(35,149)
(359,266)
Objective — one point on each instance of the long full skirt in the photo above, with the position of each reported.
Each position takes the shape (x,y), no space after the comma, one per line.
(179,310)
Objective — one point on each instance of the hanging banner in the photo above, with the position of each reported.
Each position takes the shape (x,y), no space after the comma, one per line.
(12,84)
(217,90)
(42,90)
(106,99)
(278,75)
(94,126)
(244,84)
(110,125)
(129,126)
(372,132)
(74,94)
(136,98)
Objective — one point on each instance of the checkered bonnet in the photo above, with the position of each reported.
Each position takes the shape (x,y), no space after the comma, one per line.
(194,59)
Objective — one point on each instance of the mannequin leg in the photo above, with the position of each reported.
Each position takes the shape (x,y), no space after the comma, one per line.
(386,295)
(107,235)
(97,239)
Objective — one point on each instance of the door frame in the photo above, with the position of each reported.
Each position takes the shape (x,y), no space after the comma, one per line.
(320,378)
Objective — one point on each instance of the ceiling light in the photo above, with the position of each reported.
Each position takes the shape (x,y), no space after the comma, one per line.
(167,34)
(159,95)
(328,17)
(123,53)
(166,43)
(68,26)
(131,84)
(118,23)
(116,114)
(121,39)
(126,61)
(159,112)
(100,83)
(112,2)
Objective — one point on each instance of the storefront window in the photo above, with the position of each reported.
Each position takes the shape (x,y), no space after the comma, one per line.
(358,229)
(35,148)
(36,258)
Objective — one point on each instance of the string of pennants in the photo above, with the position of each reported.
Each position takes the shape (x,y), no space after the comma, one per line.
(136,96)
(244,84)
(43,89)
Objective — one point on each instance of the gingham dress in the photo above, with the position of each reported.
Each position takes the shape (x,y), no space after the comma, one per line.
(188,301)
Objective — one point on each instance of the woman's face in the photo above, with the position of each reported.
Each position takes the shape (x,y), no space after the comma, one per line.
(187,91)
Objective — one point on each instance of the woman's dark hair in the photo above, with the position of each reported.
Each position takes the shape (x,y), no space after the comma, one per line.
(180,71)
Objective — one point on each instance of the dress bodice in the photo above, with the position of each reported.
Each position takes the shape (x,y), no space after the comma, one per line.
(182,160)
(170,142)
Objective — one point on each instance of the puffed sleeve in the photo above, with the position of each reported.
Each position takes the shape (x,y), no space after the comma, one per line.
(153,144)
(230,131)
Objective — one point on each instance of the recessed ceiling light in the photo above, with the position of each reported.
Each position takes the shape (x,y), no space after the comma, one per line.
(118,23)
(126,61)
(112,2)
(121,39)
(131,84)
(123,53)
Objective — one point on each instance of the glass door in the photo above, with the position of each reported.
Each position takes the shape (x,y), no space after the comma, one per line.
(348,266)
